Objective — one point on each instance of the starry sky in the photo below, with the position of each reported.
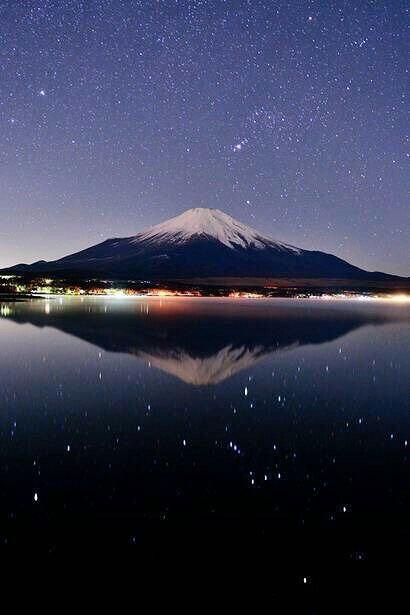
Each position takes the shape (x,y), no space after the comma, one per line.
(291,116)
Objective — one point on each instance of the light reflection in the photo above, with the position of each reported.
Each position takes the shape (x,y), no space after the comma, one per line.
(5,310)
(322,407)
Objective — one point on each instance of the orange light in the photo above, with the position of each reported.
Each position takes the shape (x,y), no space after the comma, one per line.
(244,295)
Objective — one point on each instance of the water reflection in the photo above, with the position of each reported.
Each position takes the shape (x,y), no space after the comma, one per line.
(299,448)
(201,342)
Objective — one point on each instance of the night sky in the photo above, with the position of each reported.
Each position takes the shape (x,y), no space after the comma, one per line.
(290,116)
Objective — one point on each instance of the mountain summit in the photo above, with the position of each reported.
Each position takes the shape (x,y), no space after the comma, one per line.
(211,223)
(200,243)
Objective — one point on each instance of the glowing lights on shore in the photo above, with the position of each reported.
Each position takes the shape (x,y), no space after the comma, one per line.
(401,298)
(245,295)
(118,294)
(47,287)
(396,298)
(160,292)
(155,292)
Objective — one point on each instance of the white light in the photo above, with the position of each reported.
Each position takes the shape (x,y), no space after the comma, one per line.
(5,310)
(400,298)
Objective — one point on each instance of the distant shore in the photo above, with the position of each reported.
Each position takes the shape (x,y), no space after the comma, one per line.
(23,287)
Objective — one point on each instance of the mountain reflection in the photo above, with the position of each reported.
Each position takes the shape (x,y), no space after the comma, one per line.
(201,342)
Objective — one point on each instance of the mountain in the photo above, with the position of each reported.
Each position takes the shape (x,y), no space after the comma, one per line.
(201,243)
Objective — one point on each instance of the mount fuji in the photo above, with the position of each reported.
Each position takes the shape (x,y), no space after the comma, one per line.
(201,243)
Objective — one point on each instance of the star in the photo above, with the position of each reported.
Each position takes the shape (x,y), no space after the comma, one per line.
(227,100)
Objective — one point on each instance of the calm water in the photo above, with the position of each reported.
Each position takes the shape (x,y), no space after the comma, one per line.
(276,425)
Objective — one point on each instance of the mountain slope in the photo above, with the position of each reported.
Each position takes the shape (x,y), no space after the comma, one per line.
(199,243)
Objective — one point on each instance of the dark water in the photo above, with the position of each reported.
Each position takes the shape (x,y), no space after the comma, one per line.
(276,426)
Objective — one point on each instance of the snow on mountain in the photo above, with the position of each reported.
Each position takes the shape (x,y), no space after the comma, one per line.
(209,223)
(200,243)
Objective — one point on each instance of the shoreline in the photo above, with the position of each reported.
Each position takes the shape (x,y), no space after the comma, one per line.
(321,296)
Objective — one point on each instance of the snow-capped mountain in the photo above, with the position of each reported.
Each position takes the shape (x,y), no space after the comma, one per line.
(211,223)
(200,243)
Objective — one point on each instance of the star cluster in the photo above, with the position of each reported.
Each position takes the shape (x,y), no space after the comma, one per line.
(291,116)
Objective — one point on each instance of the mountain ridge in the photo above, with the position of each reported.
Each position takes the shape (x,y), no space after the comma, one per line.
(201,242)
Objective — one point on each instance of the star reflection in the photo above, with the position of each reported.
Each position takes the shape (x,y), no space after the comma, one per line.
(201,346)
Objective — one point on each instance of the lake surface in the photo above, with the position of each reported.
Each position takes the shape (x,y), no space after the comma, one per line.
(279,426)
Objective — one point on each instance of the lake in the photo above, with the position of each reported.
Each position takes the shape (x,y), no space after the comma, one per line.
(279,426)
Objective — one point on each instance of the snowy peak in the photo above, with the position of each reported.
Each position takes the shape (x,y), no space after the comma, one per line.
(211,223)
(201,243)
